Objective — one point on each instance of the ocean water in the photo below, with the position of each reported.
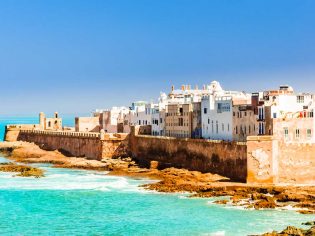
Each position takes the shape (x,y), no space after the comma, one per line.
(67,120)
(80,202)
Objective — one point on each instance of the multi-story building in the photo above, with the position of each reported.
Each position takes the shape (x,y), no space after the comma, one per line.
(196,120)
(244,122)
(295,129)
(158,121)
(178,120)
(221,114)
(276,104)
(109,118)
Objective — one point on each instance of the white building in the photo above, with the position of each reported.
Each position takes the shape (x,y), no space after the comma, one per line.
(158,116)
(217,117)
(109,118)
(279,104)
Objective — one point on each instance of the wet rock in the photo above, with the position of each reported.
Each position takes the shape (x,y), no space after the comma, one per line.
(265,204)
(221,202)
(22,170)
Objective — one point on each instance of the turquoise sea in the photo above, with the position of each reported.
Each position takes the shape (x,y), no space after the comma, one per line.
(80,202)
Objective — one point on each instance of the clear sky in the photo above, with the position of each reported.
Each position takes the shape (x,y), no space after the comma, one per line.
(74,56)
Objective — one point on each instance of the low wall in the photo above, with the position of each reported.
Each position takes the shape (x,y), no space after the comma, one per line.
(276,162)
(224,158)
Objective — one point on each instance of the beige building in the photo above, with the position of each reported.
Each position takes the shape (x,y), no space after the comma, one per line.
(87,124)
(196,120)
(244,122)
(295,128)
(178,120)
(54,123)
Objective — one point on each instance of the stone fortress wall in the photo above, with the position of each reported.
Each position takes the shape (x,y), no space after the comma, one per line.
(272,161)
(80,144)
(260,160)
(224,158)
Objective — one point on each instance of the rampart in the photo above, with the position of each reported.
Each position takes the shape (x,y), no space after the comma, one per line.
(262,160)
(79,144)
(276,162)
(224,158)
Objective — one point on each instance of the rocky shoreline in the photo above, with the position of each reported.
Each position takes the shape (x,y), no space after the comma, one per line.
(204,185)
(293,231)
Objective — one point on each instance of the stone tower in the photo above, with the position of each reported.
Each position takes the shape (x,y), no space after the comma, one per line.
(42,120)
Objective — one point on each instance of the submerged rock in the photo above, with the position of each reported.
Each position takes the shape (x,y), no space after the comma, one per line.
(22,170)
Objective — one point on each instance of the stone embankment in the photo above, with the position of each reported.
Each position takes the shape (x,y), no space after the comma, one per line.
(176,180)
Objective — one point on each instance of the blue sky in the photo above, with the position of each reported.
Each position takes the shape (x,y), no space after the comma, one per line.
(74,56)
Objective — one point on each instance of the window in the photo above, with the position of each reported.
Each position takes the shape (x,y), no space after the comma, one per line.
(217,127)
(261,128)
(300,99)
(208,121)
(205,110)
(309,133)
(286,133)
(228,127)
(245,113)
(236,130)
(222,127)
(180,122)
(223,107)
(297,133)
(274,115)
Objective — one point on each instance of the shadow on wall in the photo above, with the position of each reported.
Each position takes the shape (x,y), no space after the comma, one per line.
(224,158)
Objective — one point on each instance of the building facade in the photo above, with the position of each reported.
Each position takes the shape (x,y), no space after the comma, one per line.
(178,120)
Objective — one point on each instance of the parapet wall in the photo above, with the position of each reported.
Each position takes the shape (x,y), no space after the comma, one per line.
(12,131)
(276,162)
(224,158)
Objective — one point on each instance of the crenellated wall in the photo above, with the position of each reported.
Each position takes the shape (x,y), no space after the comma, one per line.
(224,158)
(79,144)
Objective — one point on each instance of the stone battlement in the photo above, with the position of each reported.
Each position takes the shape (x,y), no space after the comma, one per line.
(193,140)
(92,145)
(63,133)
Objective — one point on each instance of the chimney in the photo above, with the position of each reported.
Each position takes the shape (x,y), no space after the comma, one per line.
(183,87)
(204,87)
(172,88)
(196,87)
